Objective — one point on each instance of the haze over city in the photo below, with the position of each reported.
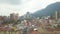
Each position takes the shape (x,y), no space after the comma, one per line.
(23,6)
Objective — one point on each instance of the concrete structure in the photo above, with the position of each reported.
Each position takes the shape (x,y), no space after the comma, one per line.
(13,16)
(28,16)
(1,20)
(5,18)
(56,15)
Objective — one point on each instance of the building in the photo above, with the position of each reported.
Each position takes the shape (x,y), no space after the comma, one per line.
(56,15)
(1,20)
(14,16)
(28,15)
(5,19)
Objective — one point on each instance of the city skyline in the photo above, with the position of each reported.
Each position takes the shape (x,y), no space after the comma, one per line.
(25,5)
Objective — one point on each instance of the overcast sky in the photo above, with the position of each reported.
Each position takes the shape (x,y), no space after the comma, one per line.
(23,6)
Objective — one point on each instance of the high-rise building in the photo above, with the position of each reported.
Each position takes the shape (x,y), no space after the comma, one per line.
(56,15)
(14,16)
(28,15)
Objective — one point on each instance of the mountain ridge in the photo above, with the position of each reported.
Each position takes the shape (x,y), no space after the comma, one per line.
(49,10)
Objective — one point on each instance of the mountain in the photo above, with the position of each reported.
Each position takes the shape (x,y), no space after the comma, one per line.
(48,11)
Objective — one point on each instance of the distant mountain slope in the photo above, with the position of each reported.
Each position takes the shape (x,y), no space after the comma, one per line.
(48,11)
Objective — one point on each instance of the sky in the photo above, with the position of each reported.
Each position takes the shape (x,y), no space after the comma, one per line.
(23,6)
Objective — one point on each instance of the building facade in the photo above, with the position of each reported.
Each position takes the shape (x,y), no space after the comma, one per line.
(14,16)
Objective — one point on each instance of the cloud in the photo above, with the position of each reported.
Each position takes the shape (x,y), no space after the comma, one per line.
(13,1)
(10,1)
